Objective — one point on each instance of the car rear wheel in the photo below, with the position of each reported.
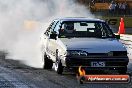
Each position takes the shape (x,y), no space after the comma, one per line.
(47,63)
(58,67)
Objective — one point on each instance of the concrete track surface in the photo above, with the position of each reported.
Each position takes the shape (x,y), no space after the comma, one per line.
(13,74)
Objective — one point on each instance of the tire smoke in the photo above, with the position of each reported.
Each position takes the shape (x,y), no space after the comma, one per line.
(23,21)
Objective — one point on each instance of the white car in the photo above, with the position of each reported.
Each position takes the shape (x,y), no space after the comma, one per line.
(90,43)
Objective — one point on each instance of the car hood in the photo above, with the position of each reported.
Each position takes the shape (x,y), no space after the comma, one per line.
(93,45)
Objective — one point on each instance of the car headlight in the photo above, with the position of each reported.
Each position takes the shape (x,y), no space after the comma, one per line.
(76,53)
(117,53)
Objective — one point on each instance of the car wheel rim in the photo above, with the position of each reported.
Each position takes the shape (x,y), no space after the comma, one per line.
(56,66)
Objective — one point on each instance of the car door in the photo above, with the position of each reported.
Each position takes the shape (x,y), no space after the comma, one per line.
(52,44)
(45,39)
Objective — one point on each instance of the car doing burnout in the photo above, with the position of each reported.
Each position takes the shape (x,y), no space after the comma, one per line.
(90,43)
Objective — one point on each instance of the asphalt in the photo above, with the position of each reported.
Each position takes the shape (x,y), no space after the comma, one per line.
(14,74)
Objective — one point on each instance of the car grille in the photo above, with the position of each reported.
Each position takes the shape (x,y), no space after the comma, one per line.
(97,54)
(109,54)
(87,61)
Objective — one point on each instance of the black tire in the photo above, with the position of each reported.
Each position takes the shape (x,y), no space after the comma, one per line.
(123,70)
(47,63)
(59,67)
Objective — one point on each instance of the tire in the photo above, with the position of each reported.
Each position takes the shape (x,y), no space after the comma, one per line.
(123,70)
(47,63)
(58,67)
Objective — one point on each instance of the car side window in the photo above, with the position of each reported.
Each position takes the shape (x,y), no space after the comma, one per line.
(49,28)
(57,27)
(47,32)
(54,26)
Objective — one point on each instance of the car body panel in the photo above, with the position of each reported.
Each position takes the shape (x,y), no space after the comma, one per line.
(93,45)
(97,48)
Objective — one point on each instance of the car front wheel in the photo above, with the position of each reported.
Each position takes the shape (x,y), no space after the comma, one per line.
(47,63)
(58,67)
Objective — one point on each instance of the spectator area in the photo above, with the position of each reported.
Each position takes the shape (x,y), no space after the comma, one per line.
(100,8)
(105,6)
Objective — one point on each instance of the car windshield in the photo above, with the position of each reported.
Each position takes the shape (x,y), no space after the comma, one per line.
(85,29)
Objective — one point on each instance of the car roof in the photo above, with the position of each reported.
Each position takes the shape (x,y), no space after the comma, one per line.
(79,19)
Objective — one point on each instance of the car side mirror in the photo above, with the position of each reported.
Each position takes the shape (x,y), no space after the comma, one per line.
(117,36)
(53,36)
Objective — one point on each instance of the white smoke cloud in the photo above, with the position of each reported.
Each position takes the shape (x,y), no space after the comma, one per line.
(21,42)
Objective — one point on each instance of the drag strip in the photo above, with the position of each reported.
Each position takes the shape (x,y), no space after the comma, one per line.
(16,75)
